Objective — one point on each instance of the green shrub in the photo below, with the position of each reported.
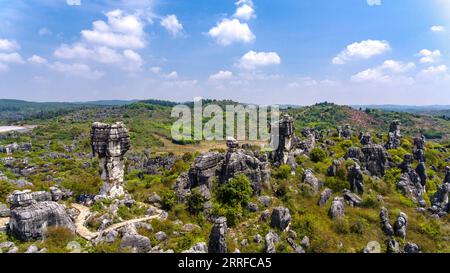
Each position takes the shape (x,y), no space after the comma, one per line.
(195,202)
(237,191)
(317,155)
(168,199)
(283,172)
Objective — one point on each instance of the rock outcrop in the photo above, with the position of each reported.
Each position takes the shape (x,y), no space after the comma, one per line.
(281,218)
(440,201)
(400,225)
(30,218)
(394,135)
(270,240)
(410,183)
(110,143)
(324,196)
(217,238)
(356,179)
(385,224)
(310,179)
(372,157)
(337,208)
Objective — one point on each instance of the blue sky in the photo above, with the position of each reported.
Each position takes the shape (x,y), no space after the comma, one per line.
(259,51)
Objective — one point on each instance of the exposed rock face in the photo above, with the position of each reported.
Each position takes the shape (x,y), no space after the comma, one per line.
(337,208)
(385,225)
(217,238)
(30,218)
(286,140)
(281,218)
(270,240)
(324,196)
(353,199)
(333,169)
(356,179)
(154,164)
(372,157)
(347,132)
(419,149)
(410,183)
(400,225)
(311,180)
(439,202)
(394,136)
(421,170)
(110,143)
(205,168)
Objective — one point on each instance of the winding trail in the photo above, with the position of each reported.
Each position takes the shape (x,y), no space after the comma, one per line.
(84,232)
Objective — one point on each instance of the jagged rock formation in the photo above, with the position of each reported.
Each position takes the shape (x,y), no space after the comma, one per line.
(400,225)
(309,179)
(347,132)
(419,149)
(337,208)
(392,246)
(270,240)
(394,136)
(373,158)
(217,238)
(110,143)
(324,196)
(440,201)
(212,165)
(286,141)
(132,240)
(411,248)
(153,165)
(30,218)
(356,179)
(334,167)
(385,224)
(365,138)
(410,183)
(351,198)
(281,218)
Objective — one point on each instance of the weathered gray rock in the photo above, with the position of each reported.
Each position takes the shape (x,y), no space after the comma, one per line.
(333,169)
(440,201)
(265,200)
(347,132)
(311,180)
(281,218)
(217,238)
(410,186)
(421,170)
(356,179)
(353,199)
(137,243)
(337,208)
(252,207)
(411,248)
(372,247)
(110,143)
(270,240)
(295,247)
(392,246)
(372,157)
(365,138)
(257,238)
(305,243)
(419,149)
(385,224)
(154,165)
(324,196)
(197,248)
(160,236)
(4,211)
(154,199)
(400,225)
(30,219)
(394,136)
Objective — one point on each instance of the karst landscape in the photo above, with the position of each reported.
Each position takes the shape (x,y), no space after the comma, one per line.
(99,178)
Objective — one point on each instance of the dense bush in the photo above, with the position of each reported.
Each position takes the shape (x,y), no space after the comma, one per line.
(195,202)
(317,155)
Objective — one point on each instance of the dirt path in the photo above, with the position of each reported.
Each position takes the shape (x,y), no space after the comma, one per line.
(84,232)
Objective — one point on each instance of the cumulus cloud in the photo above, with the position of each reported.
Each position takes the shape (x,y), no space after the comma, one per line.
(11,58)
(252,60)
(172,75)
(434,73)
(221,76)
(362,50)
(76,69)
(428,56)
(374,2)
(172,25)
(244,10)
(73,2)
(38,60)
(437,28)
(120,31)
(229,31)
(389,71)
(8,45)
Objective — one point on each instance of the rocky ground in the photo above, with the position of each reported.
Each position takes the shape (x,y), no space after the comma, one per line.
(75,184)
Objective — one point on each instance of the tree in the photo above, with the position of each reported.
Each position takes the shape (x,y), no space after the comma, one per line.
(317,155)
(237,191)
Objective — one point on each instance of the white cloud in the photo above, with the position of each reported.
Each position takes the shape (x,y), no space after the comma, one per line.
(397,67)
(252,59)
(244,10)
(44,31)
(134,60)
(172,75)
(38,60)
(172,25)
(76,69)
(428,56)
(11,58)
(437,28)
(155,69)
(433,73)
(73,2)
(221,76)
(229,31)
(362,50)
(8,45)
(121,30)
(374,2)
(389,71)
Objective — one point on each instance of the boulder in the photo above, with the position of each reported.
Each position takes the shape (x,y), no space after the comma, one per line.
(411,248)
(217,237)
(337,208)
(270,240)
(392,246)
(4,211)
(356,179)
(197,248)
(400,225)
(394,135)
(353,199)
(137,243)
(311,180)
(372,247)
(281,218)
(385,225)
(324,196)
